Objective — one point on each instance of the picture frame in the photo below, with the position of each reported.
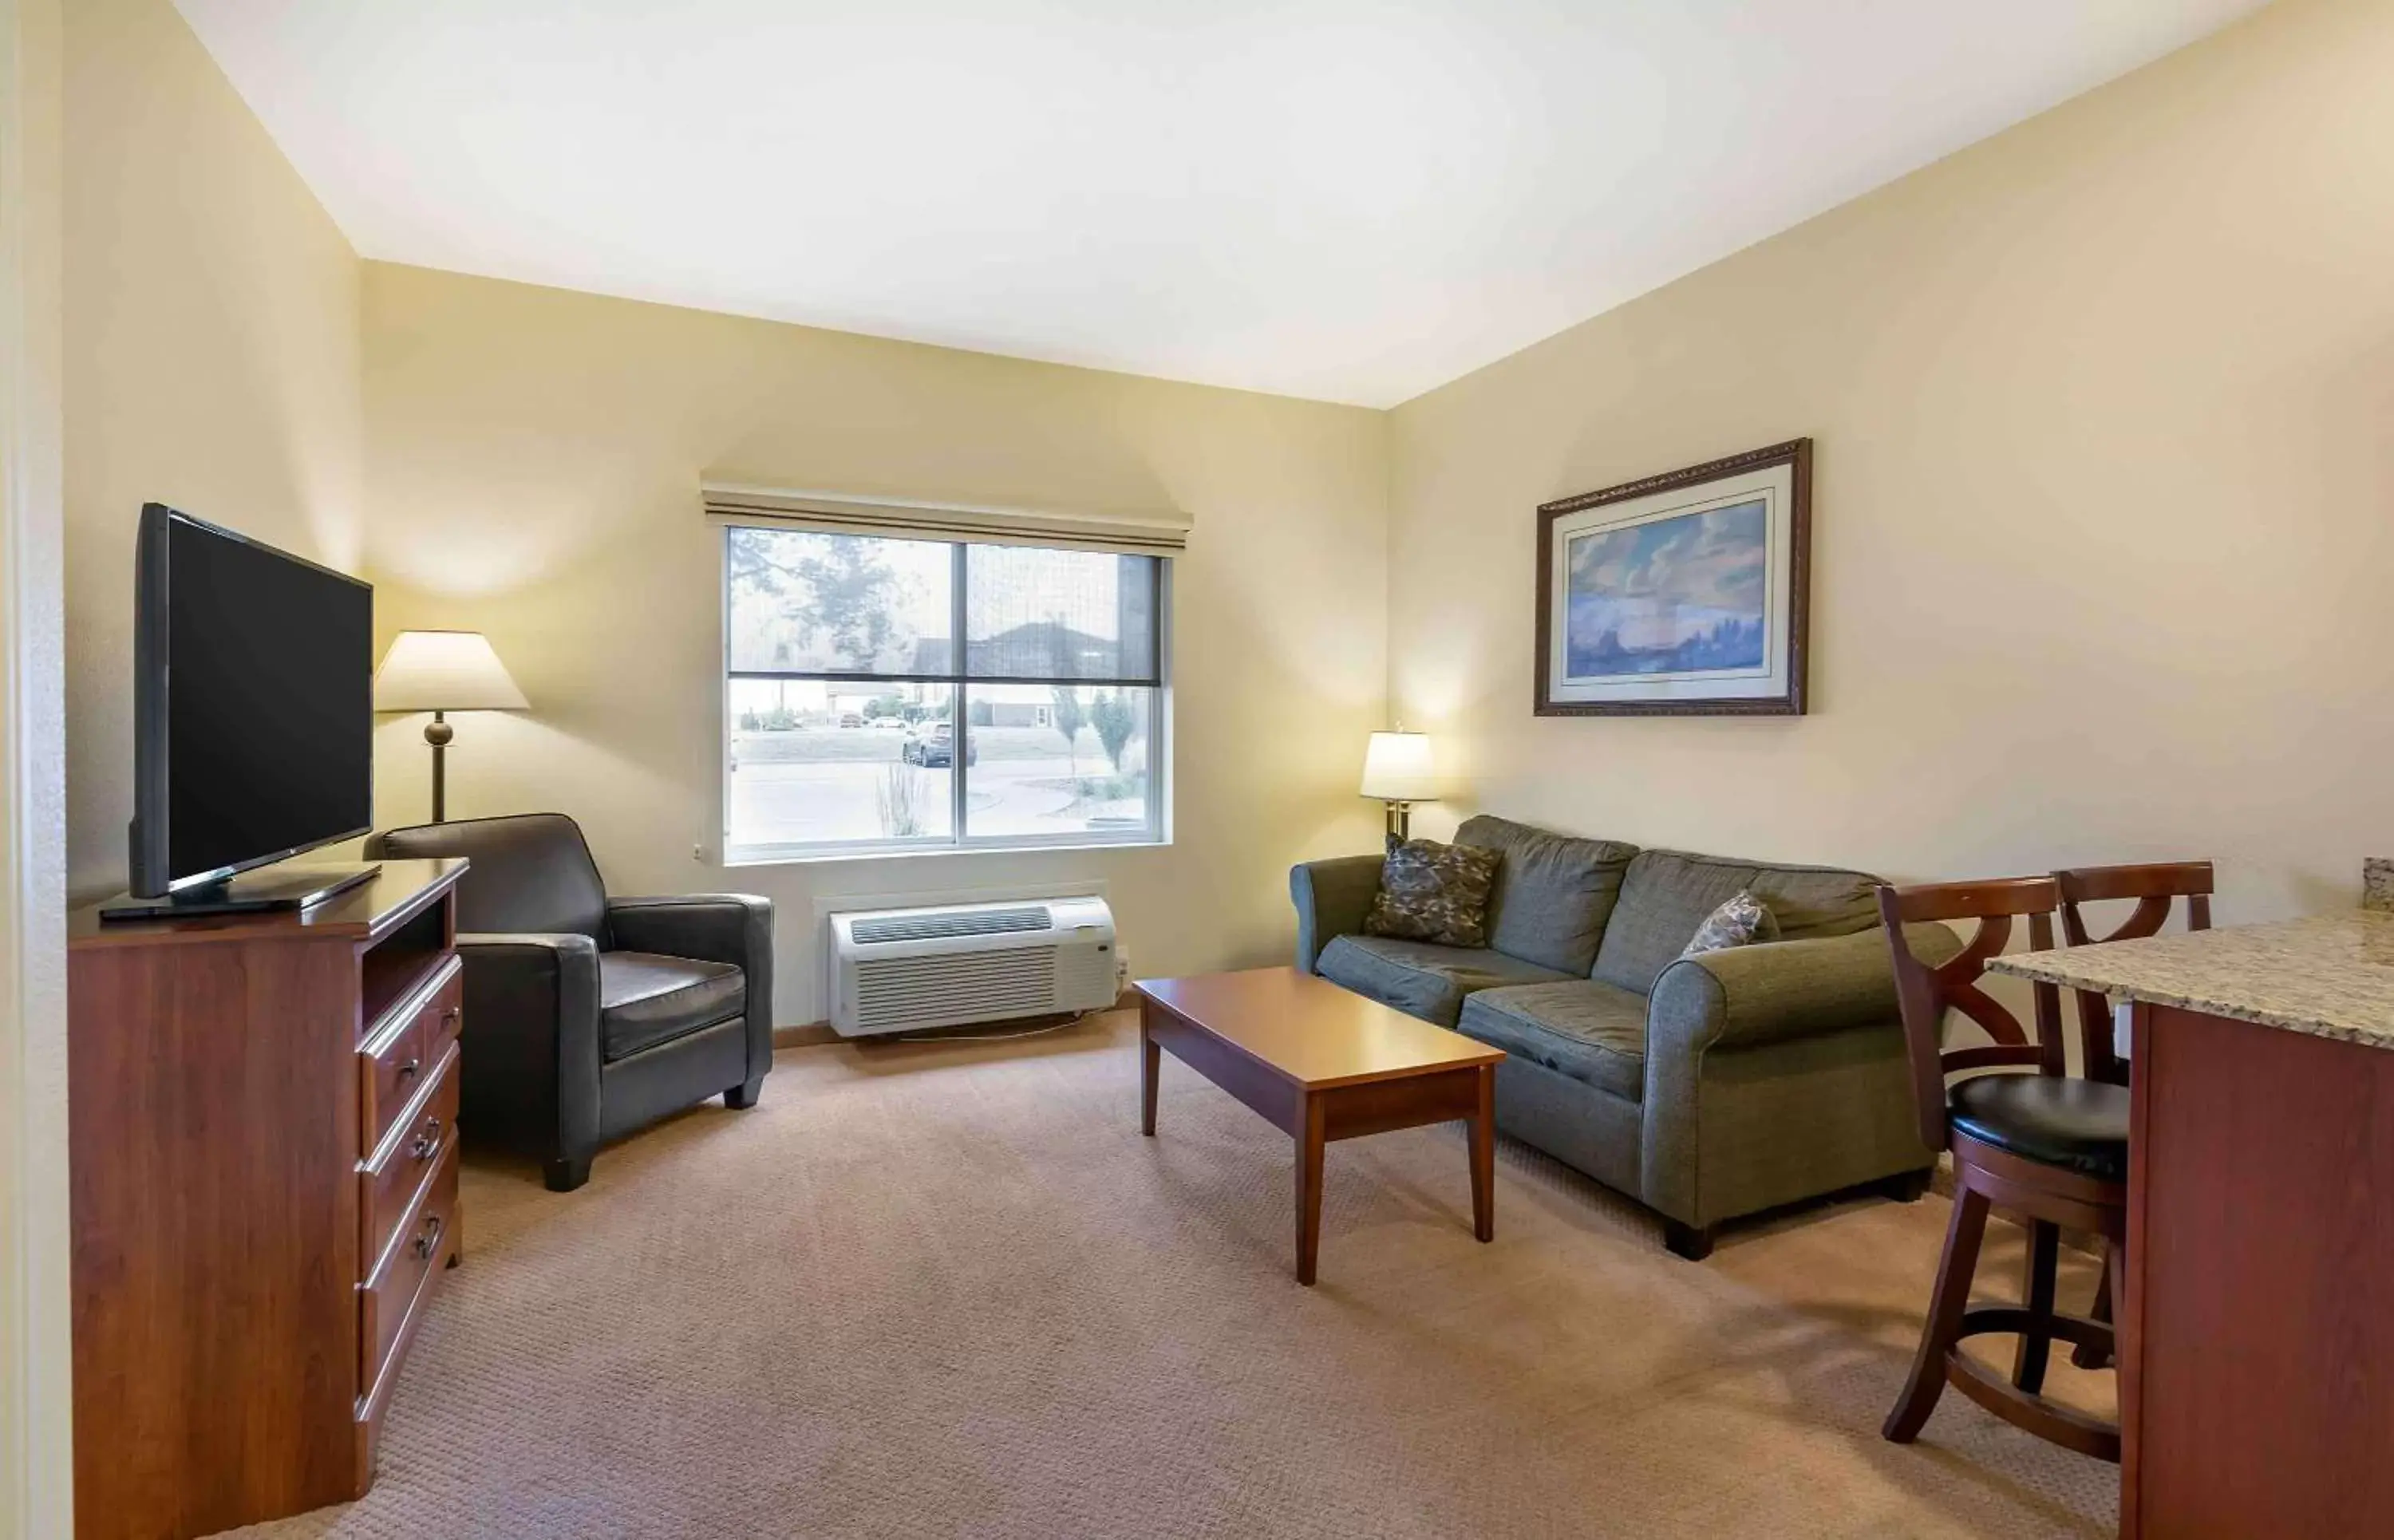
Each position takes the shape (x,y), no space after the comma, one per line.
(1681,594)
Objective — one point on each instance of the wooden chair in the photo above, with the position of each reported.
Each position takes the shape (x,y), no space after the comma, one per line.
(2051,1148)
(2153,886)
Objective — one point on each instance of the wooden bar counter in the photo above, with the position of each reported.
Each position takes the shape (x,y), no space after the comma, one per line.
(2257,1321)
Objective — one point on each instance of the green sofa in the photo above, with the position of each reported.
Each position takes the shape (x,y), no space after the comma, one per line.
(1707,1087)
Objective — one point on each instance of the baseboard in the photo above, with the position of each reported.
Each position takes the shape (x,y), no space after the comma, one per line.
(814,1035)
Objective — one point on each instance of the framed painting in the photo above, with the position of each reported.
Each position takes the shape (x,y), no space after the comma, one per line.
(1681,594)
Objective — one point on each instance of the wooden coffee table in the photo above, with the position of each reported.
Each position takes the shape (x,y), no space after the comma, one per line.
(1321,1063)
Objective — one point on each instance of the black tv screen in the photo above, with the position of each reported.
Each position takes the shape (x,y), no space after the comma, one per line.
(253,703)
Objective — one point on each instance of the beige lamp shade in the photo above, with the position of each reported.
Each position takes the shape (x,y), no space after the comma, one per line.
(445,671)
(1397,768)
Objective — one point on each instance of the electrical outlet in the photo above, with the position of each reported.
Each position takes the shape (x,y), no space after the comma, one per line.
(698,853)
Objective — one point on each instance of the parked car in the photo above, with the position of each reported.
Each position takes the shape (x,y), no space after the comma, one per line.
(886,723)
(850,718)
(933,744)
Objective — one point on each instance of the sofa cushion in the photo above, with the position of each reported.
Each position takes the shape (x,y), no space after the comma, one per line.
(1553,892)
(1421,979)
(1434,892)
(646,998)
(1592,1032)
(1668,893)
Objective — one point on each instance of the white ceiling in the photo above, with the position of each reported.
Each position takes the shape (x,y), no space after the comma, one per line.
(1353,199)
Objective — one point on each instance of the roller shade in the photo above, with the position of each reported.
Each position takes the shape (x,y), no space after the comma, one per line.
(1160,533)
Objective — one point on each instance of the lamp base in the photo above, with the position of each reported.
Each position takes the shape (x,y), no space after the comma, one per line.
(438,732)
(1400,819)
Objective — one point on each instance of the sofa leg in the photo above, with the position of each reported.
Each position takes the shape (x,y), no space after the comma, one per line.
(745,1093)
(1905,1187)
(565,1175)
(1692,1241)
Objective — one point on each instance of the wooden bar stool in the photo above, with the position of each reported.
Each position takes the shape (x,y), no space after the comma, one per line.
(2155,886)
(2051,1148)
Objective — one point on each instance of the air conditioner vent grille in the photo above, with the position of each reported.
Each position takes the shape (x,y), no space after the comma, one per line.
(930,924)
(906,992)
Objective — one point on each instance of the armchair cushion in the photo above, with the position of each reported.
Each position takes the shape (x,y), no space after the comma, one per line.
(1593,1033)
(644,999)
(1553,894)
(1421,977)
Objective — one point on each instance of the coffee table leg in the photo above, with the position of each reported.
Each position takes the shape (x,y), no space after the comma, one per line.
(1308,1191)
(1483,1158)
(1150,1062)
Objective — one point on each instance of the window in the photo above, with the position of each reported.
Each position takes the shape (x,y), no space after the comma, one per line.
(885,693)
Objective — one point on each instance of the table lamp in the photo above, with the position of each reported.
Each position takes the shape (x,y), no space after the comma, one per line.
(1396,770)
(441,671)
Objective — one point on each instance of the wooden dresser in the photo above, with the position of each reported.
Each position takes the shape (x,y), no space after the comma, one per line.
(262,1110)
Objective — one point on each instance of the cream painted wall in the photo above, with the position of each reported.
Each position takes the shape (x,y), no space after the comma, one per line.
(210,345)
(2104,514)
(533,459)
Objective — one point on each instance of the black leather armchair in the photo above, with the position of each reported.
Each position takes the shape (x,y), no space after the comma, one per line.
(588,1017)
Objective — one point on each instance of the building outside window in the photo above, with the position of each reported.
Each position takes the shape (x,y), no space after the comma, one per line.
(885,693)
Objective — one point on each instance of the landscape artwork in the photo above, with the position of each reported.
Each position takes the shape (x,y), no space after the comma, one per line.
(1682,594)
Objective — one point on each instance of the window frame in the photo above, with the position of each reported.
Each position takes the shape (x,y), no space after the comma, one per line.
(1156,830)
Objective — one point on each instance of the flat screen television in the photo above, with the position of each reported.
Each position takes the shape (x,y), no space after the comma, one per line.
(253,736)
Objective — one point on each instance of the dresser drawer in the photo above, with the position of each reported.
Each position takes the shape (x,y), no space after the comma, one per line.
(397,1062)
(388,1183)
(426,1238)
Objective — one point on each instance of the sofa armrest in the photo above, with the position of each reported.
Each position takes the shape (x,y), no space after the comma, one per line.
(1809,1090)
(1332,898)
(1743,997)
(715,927)
(531,1040)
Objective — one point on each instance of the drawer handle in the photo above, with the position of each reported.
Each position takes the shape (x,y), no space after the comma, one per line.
(448,1015)
(407,1070)
(430,1238)
(427,1141)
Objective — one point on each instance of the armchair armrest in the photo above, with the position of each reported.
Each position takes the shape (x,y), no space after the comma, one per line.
(1774,991)
(715,927)
(532,1036)
(1332,898)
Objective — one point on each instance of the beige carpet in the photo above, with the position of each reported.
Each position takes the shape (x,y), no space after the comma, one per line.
(948,1290)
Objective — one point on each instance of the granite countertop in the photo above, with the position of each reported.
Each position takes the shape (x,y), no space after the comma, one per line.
(2332,975)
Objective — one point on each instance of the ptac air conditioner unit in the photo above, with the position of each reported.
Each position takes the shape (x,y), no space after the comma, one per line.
(907,970)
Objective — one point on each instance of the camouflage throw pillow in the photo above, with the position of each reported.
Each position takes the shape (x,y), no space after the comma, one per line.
(1433,893)
(1740,921)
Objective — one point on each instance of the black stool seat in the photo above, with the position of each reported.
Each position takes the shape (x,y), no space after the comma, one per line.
(2080,1125)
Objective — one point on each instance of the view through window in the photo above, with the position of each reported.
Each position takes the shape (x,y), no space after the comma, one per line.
(885,692)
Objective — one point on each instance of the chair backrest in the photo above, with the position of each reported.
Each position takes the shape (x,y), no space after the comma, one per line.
(1926,993)
(2155,886)
(531,871)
